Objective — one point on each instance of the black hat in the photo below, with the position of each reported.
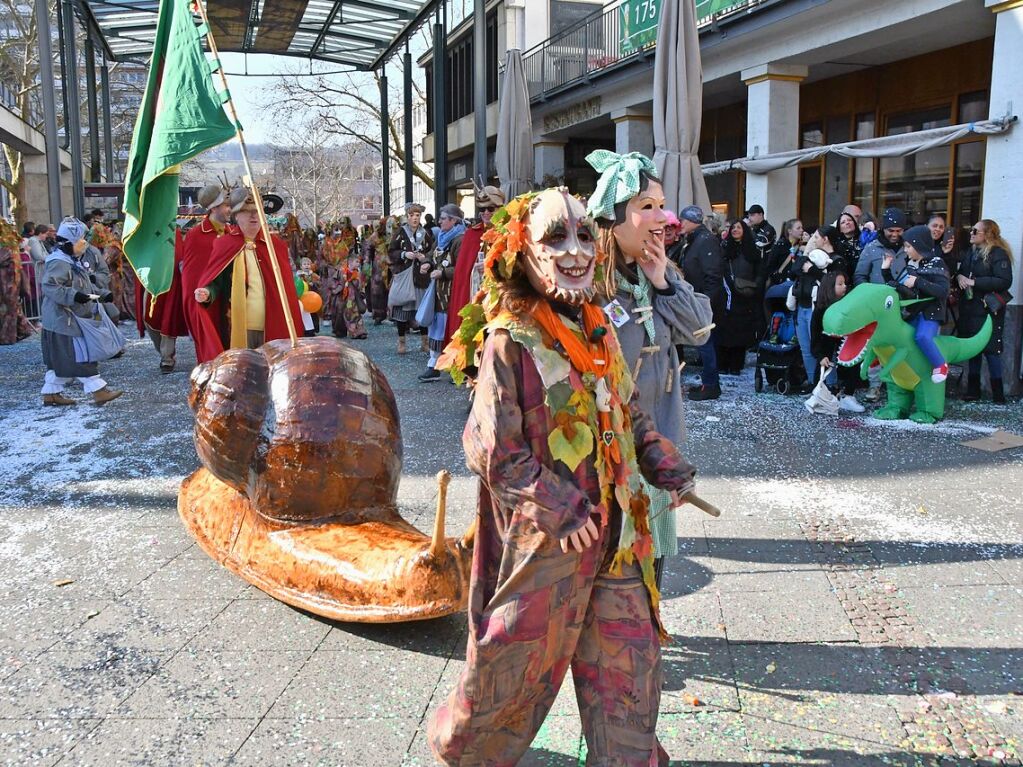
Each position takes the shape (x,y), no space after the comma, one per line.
(755,209)
(893,218)
(920,238)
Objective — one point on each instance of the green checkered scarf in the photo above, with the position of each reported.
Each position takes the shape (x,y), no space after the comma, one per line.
(618,182)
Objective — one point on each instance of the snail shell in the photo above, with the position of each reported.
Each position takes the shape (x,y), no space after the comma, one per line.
(305,433)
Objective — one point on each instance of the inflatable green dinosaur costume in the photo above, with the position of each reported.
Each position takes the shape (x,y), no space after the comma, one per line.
(870,319)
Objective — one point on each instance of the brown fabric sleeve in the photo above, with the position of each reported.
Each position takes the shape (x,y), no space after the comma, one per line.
(496,448)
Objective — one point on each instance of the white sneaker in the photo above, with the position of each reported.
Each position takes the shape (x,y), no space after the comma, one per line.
(873,394)
(849,403)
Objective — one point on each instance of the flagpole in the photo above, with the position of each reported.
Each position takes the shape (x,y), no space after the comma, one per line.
(248,180)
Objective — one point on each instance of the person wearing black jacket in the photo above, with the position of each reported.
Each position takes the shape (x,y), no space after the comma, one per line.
(842,380)
(763,233)
(925,276)
(775,268)
(703,268)
(985,275)
(743,298)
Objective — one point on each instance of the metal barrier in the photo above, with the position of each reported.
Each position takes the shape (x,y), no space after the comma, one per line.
(31,299)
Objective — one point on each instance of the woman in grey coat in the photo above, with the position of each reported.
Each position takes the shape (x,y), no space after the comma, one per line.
(652,308)
(68,291)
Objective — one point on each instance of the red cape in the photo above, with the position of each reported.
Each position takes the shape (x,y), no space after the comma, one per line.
(463,277)
(168,315)
(198,247)
(208,343)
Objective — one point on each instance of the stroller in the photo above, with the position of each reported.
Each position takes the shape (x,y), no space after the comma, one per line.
(779,362)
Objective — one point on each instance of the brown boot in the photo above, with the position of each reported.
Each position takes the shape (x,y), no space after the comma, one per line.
(425,343)
(57,399)
(401,345)
(105,395)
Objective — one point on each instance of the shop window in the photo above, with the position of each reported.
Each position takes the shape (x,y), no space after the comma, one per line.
(969,178)
(565,14)
(811,135)
(918,183)
(973,107)
(837,169)
(863,168)
(810,195)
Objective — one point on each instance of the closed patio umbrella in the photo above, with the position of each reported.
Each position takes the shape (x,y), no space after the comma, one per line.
(514,154)
(678,106)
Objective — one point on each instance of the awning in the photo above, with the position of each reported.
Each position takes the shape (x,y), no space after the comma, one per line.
(358,33)
(900,145)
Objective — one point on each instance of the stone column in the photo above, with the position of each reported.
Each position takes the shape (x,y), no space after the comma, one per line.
(1003,168)
(549,161)
(773,126)
(634,131)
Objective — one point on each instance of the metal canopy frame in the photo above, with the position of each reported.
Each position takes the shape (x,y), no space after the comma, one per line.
(362,34)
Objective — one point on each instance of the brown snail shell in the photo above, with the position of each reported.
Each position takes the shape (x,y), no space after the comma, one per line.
(302,453)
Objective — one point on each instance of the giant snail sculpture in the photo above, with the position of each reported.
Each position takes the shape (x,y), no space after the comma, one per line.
(301,451)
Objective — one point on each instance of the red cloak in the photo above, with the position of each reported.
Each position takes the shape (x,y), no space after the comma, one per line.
(208,343)
(198,247)
(463,277)
(168,314)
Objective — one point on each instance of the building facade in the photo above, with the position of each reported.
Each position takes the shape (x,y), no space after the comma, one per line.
(422,193)
(779,75)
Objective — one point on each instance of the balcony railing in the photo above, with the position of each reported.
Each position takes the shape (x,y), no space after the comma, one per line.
(602,41)
(9,98)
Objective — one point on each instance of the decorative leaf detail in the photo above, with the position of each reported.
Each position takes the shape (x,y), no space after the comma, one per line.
(570,452)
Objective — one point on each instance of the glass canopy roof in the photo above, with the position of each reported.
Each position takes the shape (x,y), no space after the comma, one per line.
(358,33)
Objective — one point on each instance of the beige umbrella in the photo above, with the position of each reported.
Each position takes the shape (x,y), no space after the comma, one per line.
(678,106)
(514,154)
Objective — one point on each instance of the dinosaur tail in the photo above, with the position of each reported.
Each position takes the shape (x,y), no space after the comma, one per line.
(961,349)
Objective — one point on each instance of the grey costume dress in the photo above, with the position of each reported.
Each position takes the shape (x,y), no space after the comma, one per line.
(677,312)
(62,278)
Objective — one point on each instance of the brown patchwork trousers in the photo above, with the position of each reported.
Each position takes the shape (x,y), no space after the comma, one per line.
(518,656)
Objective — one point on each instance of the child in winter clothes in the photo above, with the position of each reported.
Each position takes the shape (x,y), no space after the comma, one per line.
(832,288)
(925,276)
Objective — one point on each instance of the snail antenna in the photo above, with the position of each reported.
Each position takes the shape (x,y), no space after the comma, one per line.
(437,545)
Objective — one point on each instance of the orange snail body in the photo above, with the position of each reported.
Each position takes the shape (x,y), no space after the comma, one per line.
(301,449)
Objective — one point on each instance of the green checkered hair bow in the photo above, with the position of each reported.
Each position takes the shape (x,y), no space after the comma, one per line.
(619,179)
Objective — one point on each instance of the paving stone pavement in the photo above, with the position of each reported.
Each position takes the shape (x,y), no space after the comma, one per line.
(860,602)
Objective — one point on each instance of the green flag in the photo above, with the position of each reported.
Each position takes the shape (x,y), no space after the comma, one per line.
(181,115)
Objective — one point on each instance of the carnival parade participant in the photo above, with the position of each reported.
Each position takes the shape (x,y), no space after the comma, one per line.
(441,268)
(563,570)
(121,277)
(162,318)
(652,308)
(13,283)
(209,341)
(410,246)
(470,257)
(352,299)
(240,272)
(380,276)
(67,292)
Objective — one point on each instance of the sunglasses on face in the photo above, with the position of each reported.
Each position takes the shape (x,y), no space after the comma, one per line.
(488,209)
(975,231)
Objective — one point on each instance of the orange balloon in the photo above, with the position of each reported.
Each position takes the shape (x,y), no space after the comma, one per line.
(311,301)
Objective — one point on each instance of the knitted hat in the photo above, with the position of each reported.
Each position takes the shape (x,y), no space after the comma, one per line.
(672,219)
(692,213)
(893,218)
(920,238)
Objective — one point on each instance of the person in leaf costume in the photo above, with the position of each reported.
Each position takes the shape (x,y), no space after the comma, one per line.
(563,566)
